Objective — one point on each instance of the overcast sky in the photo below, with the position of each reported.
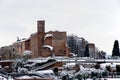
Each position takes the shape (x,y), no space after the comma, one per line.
(98,21)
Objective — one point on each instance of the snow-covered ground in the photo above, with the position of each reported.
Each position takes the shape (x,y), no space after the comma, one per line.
(106,79)
(70,67)
(3,78)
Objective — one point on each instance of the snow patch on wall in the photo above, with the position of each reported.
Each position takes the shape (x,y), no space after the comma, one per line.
(48,46)
(48,35)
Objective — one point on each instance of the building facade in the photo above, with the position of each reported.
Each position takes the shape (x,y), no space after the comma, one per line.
(92,50)
(44,44)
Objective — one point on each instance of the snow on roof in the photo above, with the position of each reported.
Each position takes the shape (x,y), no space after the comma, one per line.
(22,40)
(27,52)
(48,46)
(112,78)
(70,64)
(39,60)
(2,78)
(7,61)
(24,77)
(103,65)
(46,71)
(73,54)
(48,35)
(85,71)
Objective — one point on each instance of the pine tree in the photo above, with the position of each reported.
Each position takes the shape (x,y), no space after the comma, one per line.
(115,51)
(86,53)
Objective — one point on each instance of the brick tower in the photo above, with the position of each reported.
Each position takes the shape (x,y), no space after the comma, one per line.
(41,26)
(40,32)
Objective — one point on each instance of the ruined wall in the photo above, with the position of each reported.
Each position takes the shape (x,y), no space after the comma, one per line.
(37,40)
(34,45)
(45,52)
(59,43)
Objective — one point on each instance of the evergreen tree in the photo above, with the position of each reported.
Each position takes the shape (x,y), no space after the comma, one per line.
(86,53)
(115,51)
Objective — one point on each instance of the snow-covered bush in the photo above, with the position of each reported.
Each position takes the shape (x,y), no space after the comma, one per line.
(26,55)
(19,63)
(27,52)
(111,67)
(22,70)
(86,72)
(66,75)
